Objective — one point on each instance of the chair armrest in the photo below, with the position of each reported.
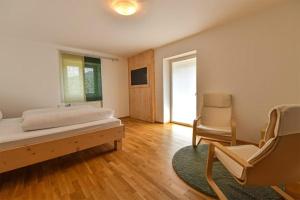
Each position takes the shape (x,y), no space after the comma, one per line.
(231,155)
(261,143)
(196,121)
(262,136)
(198,118)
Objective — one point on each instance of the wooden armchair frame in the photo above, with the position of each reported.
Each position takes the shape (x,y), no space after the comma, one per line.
(210,136)
(216,118)
(240,161)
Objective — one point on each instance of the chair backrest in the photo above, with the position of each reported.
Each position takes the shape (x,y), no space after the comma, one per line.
(278,161)
(216,109)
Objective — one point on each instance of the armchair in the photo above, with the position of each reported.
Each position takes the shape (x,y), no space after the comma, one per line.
(277,161)
(216,121)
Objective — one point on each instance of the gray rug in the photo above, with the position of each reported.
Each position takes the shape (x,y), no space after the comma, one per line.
(190,165)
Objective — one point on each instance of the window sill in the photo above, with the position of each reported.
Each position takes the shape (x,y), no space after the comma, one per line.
(98,104)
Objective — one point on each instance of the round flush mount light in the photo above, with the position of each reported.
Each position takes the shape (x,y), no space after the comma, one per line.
(125,7)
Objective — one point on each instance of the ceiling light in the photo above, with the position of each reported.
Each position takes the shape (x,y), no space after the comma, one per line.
(125,7)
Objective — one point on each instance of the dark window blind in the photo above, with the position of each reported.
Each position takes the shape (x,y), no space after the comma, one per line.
(92,79)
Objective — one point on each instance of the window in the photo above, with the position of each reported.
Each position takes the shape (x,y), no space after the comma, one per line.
(81,78)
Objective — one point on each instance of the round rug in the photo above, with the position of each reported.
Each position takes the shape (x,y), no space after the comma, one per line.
(190,163)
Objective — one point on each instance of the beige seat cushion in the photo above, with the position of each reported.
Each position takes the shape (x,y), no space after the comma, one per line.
(243,151)
(216,116)
(214,129)
(218,100)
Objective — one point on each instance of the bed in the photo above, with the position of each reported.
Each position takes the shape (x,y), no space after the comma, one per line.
(19,148)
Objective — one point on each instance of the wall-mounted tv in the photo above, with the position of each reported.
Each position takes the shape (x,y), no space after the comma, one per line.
(139,76)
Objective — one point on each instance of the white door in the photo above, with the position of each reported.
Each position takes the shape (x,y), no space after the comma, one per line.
(183,92)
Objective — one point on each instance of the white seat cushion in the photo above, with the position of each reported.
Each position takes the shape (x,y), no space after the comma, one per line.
(214,129)
(243,151)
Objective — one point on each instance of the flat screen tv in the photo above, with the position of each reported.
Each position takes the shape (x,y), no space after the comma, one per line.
(139,76)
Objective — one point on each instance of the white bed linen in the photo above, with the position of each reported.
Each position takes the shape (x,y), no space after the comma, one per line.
(12,134)
(38,119)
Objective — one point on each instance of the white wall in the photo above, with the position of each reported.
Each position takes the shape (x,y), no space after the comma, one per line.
(115,86)
(257,59)
(29,77)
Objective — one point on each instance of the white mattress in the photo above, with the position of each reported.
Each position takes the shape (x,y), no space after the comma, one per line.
(12,134)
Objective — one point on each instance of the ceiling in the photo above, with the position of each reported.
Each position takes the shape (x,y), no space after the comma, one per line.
(93,25)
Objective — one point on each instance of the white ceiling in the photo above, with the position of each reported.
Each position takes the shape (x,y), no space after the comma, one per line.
(92,25)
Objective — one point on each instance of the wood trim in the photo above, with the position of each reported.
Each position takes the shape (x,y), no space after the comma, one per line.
(35,153)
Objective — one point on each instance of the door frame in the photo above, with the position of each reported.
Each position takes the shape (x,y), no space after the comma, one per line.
(183,58)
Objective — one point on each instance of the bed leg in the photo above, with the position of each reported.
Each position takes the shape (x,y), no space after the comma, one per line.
(118,144)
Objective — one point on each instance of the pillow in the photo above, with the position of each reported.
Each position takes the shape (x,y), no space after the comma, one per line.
(64,116)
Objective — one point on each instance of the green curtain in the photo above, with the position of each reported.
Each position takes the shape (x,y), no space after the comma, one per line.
(81,78)
(92,79)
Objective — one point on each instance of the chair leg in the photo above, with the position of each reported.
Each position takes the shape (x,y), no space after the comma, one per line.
(233,140)
(200,138)
(282,193)
(194,142)
(233,133)
(209,165)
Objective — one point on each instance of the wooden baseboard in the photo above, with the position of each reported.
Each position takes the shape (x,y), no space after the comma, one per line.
(182,124)
(125,117)
(141,120)
(293,190)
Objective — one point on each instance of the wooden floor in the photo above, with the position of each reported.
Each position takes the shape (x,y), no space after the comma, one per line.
(143,170)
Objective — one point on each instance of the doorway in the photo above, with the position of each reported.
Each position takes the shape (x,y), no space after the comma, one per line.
(184,91)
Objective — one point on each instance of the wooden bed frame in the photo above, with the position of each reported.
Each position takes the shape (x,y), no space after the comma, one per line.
(14,158)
